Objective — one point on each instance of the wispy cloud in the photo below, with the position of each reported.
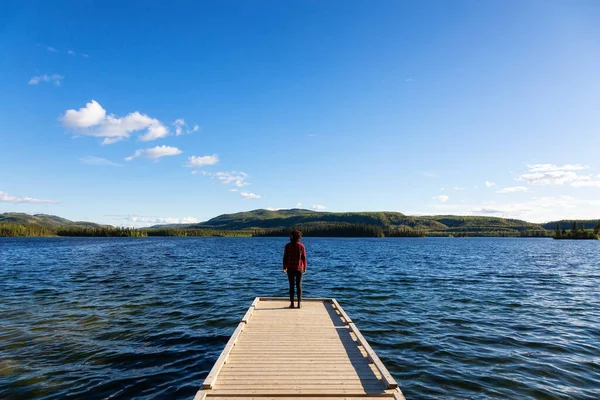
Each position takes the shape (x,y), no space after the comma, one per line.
(155,153)
(551,174)
(236,178)
(489,184)
(587,181)
(318,207)
(200,161)
(142,221)
(553,167)
(56,78)
(69,52)
(298,205)
(513,189)
(6,198)
(249,195)
(442,198)
(536,209)
(181,127)
(92,120)
(98,161)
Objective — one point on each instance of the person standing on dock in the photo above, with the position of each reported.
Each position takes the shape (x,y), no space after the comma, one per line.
(294,263)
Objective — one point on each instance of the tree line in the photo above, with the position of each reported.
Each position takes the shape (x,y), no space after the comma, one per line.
(577,232)
(33,230)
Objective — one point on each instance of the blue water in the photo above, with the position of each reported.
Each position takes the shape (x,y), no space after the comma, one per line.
(126,318)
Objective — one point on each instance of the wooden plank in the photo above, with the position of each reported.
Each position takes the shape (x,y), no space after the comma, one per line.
(214,372)
(308,299)
(297,391)
(387,377)
(248,314)
(329,356)
(398,395)
(347,319)
(286,397)
(201,395)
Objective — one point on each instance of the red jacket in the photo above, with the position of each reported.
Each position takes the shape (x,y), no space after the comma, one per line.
(294,256)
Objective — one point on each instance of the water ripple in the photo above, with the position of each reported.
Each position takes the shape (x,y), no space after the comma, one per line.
(121,318)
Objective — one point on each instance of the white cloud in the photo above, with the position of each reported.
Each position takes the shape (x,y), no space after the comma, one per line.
(194,172)
(549,177)
(489,184)
(56,78)
(442,198)
(140,221)
(98,161)
(233,190)
(513,189)
(457,188)
(537,209)
(155,153)
(236,178)
(248,195)
(71,53)
(298,205)
(587,182)
(90,115)
(550,174)
(319,207)
(92,120)
(6,198)
(51,49)
(552,167)
(180,124)
(200,161)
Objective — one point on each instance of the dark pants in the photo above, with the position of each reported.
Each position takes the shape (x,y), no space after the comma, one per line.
(295,276)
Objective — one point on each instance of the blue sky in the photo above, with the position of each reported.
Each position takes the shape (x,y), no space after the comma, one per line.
(134,113)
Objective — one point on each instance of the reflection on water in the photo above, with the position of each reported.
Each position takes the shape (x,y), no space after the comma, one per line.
(147,318)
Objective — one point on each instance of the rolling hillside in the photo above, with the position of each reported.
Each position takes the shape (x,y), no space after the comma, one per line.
(45,220)
(278,221)
(440,224)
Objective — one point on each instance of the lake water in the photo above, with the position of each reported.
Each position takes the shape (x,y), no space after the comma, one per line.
(125,318)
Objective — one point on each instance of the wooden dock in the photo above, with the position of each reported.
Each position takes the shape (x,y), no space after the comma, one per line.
(315,352)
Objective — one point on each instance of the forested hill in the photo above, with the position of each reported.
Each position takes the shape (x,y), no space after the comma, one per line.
(429,225)
(294,217)
(45,220)
(278,222)
(20,224)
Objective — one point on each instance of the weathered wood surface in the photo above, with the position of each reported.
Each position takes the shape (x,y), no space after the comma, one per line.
(311,353)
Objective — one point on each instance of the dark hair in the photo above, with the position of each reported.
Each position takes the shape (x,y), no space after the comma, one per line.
(295,235)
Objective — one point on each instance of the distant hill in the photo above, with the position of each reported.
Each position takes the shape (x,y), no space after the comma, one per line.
(45,220)
(278,221)
(439,224)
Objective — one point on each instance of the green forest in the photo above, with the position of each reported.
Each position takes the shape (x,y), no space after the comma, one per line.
(577,232)
(259,223)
